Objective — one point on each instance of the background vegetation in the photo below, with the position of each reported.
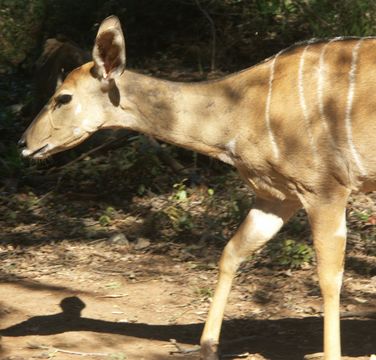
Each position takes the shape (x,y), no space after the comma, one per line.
(244,31)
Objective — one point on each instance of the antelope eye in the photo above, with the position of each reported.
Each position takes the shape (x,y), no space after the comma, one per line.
(63,99)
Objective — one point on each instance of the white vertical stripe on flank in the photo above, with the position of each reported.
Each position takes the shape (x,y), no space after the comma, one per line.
(349,104)
(267,108)
(303,103)
(320,85)
(322,71)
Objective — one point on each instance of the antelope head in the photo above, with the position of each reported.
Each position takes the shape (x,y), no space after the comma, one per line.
(81,105)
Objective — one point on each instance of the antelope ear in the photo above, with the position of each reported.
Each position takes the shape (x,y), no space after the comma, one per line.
(109,49)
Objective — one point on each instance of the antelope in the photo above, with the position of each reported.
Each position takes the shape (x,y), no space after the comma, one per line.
(299,127)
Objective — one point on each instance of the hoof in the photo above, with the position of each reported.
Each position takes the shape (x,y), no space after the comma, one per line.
(209,351)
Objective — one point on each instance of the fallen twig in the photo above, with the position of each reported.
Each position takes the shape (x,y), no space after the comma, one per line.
(164,156)
(112,296)
(53,349)
(365,314)
(160,152)
(314,356)
(230,356)
(181,350)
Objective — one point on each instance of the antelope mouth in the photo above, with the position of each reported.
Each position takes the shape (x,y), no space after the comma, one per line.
(38,153)
(50,148)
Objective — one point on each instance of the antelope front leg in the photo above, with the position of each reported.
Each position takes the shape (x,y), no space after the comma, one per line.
(260,225)
(328,224)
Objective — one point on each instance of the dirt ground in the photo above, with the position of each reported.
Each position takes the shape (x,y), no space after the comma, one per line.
(118,305)
(82,280)
(120,299)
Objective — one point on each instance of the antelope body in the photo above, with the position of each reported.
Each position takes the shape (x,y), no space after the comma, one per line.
(299,127)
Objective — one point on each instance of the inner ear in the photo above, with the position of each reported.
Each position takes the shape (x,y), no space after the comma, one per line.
(109,49)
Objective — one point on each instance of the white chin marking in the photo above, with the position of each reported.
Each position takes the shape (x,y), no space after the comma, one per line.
(349,106)
(26,152)
(42,153)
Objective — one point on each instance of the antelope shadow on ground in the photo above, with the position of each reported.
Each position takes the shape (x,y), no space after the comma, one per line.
(290,338)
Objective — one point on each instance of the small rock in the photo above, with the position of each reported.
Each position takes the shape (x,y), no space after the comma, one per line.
(351,308)
(131,275)
(119,239)
(142,243)
(89,222)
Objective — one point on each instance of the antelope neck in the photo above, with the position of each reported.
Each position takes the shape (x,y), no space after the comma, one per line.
(198,116)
